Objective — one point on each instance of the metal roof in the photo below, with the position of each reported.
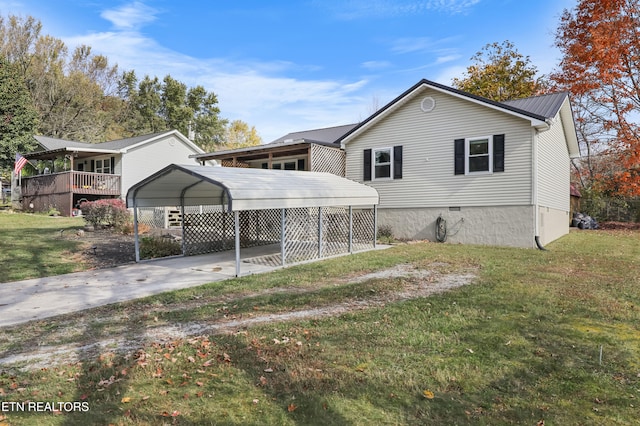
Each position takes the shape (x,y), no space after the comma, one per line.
(121,145)
(247,189)
(546,105)
(327,134)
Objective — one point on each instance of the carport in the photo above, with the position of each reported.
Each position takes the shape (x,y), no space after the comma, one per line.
(308,215)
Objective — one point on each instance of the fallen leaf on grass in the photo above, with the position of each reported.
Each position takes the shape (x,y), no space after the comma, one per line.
(125,399)
(292,407)
(427,394)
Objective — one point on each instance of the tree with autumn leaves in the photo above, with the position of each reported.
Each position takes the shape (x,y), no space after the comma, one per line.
(500,73)
(600,67)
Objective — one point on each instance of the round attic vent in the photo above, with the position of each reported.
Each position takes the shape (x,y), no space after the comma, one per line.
(428,104)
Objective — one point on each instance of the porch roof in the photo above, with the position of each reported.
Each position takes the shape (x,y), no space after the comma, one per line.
(247,189)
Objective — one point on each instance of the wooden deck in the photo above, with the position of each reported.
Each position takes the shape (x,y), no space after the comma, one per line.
(71,183)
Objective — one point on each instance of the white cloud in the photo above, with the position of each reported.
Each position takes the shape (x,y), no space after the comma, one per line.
(376,65)
(447,58)
(130,16)
(405,45)
(361,9)
(254,92)
(447,75)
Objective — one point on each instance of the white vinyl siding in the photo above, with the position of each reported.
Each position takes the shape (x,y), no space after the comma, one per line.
(553,168)
(141,162)
(428,142)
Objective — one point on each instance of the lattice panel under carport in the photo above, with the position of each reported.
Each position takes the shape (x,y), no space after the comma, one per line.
(214,230)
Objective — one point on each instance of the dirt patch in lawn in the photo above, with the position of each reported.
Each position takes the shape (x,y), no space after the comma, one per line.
(102,248)
(416,283)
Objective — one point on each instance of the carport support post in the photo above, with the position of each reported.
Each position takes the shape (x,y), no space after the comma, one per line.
(320,232)
(236,217)
(135,231)
(283,235)
(375,225)
(350,229)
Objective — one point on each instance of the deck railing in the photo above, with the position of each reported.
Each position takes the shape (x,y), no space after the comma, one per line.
(73,181)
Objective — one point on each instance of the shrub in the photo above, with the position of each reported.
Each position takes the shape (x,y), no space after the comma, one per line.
(127,229)
(108,212)
(385,234)
(153,247)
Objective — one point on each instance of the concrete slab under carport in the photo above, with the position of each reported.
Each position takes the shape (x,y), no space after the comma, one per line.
(41,298)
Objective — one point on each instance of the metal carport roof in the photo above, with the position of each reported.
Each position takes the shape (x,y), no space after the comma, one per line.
(247,189)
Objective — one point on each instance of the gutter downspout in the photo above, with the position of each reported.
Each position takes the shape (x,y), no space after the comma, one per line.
(534,191)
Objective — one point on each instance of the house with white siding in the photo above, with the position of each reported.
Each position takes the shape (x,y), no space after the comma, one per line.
(73,171)
(453,166)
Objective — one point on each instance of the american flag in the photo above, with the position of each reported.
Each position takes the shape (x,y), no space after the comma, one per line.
(20,162)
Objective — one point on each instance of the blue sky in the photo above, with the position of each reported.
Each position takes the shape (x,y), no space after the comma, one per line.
(286,66)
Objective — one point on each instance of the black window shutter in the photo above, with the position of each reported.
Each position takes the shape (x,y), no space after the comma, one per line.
(459,157)
(113,165)
(301,164)
(93,166)
(366,175)
(498,153)
(397,162)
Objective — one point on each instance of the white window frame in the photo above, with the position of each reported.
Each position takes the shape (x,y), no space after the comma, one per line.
(103,160)
(467,155)
(373,163)
(282,163)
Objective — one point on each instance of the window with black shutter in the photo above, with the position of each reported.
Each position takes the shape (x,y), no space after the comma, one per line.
(479,155)
(366,161)
(382,163)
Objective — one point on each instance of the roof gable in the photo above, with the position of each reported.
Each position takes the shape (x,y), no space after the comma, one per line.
(120,145)
(534,115)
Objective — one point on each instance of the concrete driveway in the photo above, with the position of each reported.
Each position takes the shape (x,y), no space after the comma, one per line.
(40,298)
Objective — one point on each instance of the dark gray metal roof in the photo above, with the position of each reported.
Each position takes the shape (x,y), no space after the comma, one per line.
(326,135)
(544,105)
(50,144)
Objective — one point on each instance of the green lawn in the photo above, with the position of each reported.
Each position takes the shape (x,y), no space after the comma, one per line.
(551,336)
(31,246)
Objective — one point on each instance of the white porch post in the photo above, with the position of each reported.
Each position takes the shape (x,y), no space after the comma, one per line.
(236,216)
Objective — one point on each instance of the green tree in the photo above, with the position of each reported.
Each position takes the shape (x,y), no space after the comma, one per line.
(499,72)
(153,106)
(18,117)
(72,93)
(207,129)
